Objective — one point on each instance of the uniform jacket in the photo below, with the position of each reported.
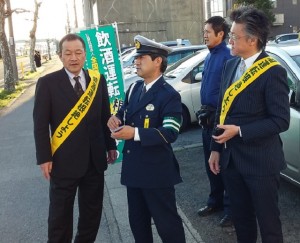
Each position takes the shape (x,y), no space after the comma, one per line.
(90,141)
(262,112)
(150,162)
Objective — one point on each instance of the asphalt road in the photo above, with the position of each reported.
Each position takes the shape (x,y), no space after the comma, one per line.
(192,195)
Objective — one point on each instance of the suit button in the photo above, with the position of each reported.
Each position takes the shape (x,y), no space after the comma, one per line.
(128,151)
(132,124)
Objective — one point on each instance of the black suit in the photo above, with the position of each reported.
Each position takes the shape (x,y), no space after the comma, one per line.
(79,162)
(251,164)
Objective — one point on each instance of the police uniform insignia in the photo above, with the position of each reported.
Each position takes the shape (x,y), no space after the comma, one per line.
(150,107)
(137,44)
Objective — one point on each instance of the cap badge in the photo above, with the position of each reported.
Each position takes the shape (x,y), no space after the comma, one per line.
(137,44)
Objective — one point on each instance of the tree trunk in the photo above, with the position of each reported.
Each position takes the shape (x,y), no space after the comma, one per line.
(31,53)
(32,35)
(9,84)
(12,47)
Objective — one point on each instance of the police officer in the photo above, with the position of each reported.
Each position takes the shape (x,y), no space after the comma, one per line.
(149,121)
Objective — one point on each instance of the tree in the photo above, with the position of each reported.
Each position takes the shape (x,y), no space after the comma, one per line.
(32,34)
(9,84)
(9,77)
(265,5)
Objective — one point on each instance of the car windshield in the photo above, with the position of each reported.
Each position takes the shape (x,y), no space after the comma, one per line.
(129,56)
(297,59)
(184,64)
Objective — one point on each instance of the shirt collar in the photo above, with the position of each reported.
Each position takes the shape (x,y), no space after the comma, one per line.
(250,60)
(71,75)
(148,86)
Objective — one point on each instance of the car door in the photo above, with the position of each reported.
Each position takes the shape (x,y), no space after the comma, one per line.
(291,137)
(194,89)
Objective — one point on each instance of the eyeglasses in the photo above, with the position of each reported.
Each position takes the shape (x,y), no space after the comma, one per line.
(235,37)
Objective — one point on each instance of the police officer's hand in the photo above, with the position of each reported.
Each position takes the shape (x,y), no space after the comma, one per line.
(113,122)
(126,133)
(214,162)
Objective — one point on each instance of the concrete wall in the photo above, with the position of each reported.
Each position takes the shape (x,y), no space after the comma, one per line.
(161,20)
(291,17)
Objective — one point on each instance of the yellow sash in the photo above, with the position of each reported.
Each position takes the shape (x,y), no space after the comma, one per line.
(77,113)
(252,73)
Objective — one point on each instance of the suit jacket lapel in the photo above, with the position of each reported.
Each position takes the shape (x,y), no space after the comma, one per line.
(232,72)
(66,86)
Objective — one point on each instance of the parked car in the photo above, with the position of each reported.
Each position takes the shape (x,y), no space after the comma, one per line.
(185,76)
(289,58)
(127,51)
(286,38)
(177,53)
(178,42)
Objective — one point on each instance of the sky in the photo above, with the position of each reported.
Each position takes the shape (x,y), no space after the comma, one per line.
(52,18)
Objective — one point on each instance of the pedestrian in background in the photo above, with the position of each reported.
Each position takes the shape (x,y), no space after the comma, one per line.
(74,103)
(151,117)
(253,110)
(215,32)
(37,58)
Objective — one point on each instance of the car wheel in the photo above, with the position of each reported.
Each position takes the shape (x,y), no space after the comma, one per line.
(185,119)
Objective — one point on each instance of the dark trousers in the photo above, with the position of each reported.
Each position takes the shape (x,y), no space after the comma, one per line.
(90,201)
(254,198)
(218,197)
(159,204)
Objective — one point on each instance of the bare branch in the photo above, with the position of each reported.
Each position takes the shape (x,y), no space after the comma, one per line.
(21,10)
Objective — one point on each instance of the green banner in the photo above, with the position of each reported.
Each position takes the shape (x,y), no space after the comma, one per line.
(102,55)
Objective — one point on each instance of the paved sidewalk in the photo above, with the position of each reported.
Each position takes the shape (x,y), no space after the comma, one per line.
(115,213)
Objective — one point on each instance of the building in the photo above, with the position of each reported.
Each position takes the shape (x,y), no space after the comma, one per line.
(287,16)
(173,19)
(159,20)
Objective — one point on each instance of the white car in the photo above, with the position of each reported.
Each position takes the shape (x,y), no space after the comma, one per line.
(289,58)
(185,76)
(178,52)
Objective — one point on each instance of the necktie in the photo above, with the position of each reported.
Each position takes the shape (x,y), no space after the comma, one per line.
(143,92)
(77,87)
(240,70)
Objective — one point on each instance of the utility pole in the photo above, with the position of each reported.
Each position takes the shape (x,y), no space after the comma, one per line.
(75,13)
(68,27)
(88,12)
(12,49)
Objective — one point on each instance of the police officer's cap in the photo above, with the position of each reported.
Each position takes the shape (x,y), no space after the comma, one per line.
(145,46)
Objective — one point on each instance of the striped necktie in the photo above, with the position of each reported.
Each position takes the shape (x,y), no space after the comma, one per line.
(240,70)
(77,87)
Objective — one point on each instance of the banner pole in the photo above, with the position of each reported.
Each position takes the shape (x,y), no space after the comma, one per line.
(115,25)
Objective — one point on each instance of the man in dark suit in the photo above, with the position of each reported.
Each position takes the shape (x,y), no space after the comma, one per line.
(151,116)
(252,111)
(78,162)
